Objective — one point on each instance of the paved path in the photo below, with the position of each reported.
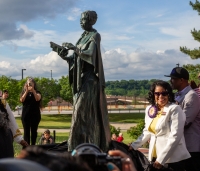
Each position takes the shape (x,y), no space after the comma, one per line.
(17,113)
(122,126)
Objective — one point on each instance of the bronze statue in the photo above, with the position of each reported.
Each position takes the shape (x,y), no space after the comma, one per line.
(90,122)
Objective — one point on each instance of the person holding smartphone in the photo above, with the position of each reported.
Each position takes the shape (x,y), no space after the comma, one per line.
(31,115)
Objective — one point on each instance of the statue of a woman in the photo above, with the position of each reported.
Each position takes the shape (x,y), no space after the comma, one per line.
(90,122)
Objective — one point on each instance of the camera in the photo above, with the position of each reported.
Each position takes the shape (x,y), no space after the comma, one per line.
(95,158)
(29,84)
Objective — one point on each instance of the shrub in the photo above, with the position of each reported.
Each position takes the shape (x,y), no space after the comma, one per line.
(114,130)
(136,131)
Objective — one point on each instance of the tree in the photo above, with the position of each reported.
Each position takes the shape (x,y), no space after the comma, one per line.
(136,131)
(193,70)
(66,90)
(13,87)
(195,53)
(114,130)
(49,88)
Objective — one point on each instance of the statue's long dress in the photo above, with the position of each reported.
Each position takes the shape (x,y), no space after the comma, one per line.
(90,122)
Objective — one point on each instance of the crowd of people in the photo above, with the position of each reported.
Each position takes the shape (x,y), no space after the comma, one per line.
(172,128)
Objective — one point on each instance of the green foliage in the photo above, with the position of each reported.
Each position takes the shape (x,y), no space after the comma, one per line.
(66,90)
(196,34)
(193,70)
(114,130)
(128,88)
(136,131)
(196,6)
(52,89)
(126,117)
(13,86)
(51,121)
(195,53)
(49,88)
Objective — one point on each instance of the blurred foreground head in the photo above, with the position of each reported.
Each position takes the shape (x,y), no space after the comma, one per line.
(53,161)
(11,164)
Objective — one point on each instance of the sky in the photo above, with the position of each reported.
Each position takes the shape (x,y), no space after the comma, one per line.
(140,39)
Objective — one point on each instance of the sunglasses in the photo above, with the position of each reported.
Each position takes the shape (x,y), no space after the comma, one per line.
(164,93)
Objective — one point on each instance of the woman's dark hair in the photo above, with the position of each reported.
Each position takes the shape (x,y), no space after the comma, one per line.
(5,91)
(193,85)
(166,86)
(55,161)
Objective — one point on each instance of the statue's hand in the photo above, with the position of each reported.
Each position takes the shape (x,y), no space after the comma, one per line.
(68,45)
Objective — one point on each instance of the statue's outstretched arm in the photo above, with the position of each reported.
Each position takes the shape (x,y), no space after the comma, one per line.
(62,51)
(72,47)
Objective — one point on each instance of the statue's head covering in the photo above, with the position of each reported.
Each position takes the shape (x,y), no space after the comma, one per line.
(92,16)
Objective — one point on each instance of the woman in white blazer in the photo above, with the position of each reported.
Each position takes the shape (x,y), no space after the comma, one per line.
(164,126)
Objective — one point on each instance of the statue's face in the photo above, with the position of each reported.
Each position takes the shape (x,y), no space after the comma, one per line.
(85,23)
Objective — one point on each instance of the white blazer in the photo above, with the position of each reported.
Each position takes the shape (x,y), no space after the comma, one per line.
(169,137)
(17,135)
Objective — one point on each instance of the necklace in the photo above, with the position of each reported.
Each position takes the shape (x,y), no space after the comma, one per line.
(152,112)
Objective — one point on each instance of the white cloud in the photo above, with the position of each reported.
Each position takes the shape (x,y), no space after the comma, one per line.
(159,15)
(41,39)
(136,46)
(118,64)
(46,22)
(143,64)
(124,37)
(4,64)
(156,33)
(27,11)
(74,14)
(9,69)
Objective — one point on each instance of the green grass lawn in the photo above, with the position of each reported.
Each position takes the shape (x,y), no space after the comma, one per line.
(126,117)
(57,121)
(60,137)
(63,121)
